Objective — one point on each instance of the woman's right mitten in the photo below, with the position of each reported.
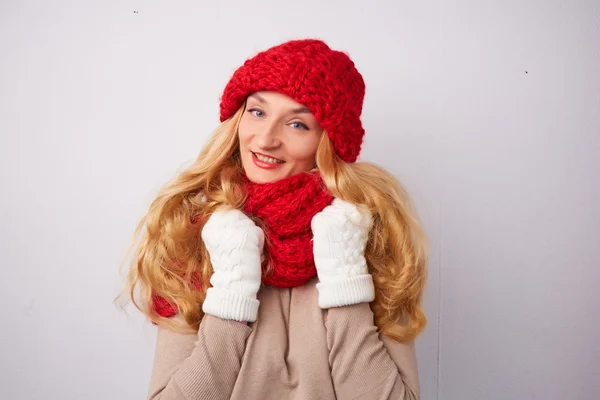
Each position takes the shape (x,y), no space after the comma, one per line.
(235,245)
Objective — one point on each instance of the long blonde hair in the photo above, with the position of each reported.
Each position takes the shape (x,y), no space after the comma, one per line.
(171,260)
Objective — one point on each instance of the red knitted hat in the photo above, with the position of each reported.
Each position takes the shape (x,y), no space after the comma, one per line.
(324,80)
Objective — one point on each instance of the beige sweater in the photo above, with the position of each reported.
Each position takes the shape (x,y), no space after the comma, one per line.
(293,351)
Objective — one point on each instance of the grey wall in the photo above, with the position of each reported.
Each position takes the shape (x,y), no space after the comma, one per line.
(488,112)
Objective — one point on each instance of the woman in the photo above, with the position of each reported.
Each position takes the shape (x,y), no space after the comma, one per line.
(277,267)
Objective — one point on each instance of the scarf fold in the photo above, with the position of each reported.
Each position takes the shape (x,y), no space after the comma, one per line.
(287,207)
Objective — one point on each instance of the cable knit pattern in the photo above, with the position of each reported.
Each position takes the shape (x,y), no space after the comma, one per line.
(287,207)
(235,245)
(341,232)
(324,80)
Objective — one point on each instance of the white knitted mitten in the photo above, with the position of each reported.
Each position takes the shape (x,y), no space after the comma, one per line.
(340,233)
(235,245)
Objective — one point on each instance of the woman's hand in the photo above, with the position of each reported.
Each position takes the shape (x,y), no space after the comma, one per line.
(340,234)
(235,245)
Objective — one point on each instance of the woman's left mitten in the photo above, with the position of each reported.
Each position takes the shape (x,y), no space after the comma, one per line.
(340,233)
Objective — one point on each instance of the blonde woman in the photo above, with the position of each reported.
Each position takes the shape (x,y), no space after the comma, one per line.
(276,266)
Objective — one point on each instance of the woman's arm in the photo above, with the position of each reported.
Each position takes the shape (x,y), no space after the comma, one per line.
(198,366)
(206,365)
(367,365)
(363,365)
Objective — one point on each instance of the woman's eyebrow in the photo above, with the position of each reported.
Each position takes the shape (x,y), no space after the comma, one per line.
(257,97)
(301,110)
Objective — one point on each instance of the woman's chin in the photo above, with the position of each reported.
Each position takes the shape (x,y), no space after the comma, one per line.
(260,176)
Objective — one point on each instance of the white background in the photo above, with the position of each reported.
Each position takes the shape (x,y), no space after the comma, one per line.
(487,111)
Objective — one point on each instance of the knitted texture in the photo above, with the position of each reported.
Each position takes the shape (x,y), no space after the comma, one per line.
(235,245)
(324,80)
(164,308)
(341,232)
(287,207)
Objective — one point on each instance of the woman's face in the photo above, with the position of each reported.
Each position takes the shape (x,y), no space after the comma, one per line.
(278,137)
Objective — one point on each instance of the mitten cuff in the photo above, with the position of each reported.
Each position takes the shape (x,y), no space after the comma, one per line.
(230,305)
(344,292)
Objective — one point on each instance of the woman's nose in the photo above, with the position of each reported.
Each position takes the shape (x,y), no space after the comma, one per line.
(268,138)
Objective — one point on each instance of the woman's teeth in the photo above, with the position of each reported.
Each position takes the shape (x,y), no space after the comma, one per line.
(268,159)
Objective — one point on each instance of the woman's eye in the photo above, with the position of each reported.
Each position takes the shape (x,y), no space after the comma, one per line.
(299,125)
(255,112)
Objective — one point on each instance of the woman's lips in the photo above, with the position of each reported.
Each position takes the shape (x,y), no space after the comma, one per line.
(262,164)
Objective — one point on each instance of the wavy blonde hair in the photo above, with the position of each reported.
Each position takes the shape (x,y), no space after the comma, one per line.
(171,260)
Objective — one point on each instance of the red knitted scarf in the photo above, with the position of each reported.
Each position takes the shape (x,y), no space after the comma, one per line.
(287,207)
